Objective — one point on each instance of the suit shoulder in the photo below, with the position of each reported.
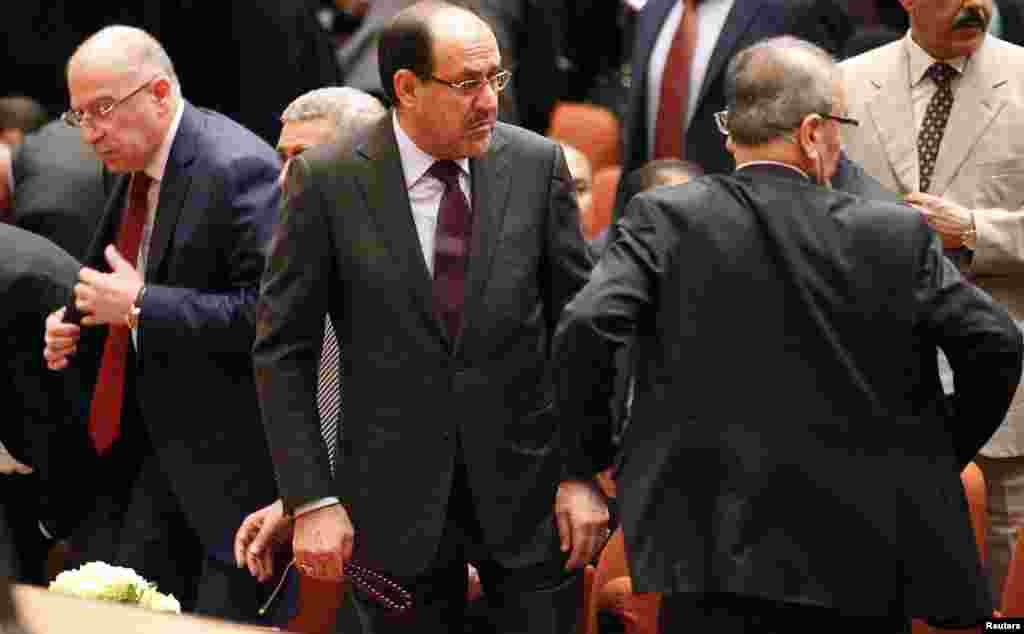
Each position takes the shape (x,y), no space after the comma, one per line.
(522,140)
(223,139)
(871,61)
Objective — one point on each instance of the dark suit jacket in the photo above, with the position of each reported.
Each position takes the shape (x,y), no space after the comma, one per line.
(193,373)
(60,187)
(790,438)
(348,247)
(36,277)
(819,21)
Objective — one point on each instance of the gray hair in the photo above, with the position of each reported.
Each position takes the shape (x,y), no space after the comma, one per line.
(352,111)
(771,86)
(127,46)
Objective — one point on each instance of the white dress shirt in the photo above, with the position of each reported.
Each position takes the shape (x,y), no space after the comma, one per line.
(155,170)
(711,17)
(923,89)
(425,191)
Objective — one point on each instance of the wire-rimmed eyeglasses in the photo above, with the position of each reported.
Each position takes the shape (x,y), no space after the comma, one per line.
(722,120)
(498,82)
(101,110)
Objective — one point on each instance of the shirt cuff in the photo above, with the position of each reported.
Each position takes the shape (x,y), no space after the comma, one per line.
(315,505)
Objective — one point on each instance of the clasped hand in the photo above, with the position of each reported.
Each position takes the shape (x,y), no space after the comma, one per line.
(321,541)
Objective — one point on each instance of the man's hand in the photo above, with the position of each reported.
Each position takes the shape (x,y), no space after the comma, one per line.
(10,465)
(323,542)
(582,515)
(106,298)
(259,537)
(949,219)
(61,340)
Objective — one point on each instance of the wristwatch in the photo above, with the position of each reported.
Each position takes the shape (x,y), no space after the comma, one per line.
(969,237)
(132,318)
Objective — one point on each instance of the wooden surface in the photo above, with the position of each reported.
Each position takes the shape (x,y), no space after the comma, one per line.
(41,611)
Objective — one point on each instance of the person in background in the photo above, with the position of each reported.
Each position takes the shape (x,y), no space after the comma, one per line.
(19,116)
(929,131)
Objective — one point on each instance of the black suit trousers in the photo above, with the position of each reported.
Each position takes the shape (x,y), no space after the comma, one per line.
(734,614)
(542,599)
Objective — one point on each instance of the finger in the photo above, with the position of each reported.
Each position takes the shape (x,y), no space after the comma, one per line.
(89,276)
(114,258)
(90,320)
(21,468)
(580,540)
(347,544)
(564,530)
(243,537)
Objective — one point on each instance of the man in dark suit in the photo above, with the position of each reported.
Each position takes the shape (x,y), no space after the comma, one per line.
(167,306)
(679,123)
(814,474)
(443,250)
(59,187)
(35,276)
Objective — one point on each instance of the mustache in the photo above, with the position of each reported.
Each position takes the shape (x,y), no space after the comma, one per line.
(970,18)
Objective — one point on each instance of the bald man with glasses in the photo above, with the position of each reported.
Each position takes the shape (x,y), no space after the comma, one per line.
(161,326)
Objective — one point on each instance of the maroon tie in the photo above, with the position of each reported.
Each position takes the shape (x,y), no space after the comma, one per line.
(105,412)
(675,87)
(451,246)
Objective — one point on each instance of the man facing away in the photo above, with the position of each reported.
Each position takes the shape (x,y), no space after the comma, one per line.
(443,250)
(791,456)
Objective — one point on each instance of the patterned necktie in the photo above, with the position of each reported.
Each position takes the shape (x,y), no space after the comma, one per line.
(935,118)
(328,395)
(108,398)
(451,247)
(675,87)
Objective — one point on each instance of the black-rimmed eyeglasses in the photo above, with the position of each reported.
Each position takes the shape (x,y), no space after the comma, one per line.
(722,120)
(498,82)
(100,110)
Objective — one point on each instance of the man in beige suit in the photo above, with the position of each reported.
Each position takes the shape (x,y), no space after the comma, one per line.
(942,122)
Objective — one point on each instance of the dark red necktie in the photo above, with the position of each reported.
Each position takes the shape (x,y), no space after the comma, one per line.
(107,400)
(451,246)
(675,87)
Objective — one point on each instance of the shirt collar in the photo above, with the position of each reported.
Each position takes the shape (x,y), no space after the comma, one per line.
(776,164)
(921,61)
(158,165)
(416,162)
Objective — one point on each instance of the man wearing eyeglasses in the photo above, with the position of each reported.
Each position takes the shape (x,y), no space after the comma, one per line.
(443,250)
(943,114)
(809,470)
(162,324)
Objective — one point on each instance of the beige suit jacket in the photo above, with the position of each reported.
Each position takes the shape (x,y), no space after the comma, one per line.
(980,166)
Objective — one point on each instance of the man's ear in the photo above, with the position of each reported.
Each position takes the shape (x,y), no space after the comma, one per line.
(407,87)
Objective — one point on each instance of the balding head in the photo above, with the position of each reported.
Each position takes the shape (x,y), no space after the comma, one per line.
(124,48)
(771,86)
(124,95)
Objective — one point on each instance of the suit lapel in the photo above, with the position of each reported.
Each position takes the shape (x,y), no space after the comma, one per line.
(975,106)
(892,114)
(106,230)
(490,184)
(173,189)
(740,18)
(387,200)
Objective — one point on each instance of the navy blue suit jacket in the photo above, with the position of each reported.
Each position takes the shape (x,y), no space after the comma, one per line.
(193,372)
(819,21)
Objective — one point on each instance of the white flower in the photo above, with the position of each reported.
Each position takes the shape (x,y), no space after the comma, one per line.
(97,580)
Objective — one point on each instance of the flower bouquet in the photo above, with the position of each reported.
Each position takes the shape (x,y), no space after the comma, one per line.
(97,580)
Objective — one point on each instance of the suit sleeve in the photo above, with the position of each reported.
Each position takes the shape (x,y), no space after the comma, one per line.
(567,259)
(289,335)
(1000,248)
(222,320)
(979,338)
(600,320)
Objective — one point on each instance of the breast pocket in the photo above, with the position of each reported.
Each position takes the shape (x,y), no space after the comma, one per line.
(1001,184)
